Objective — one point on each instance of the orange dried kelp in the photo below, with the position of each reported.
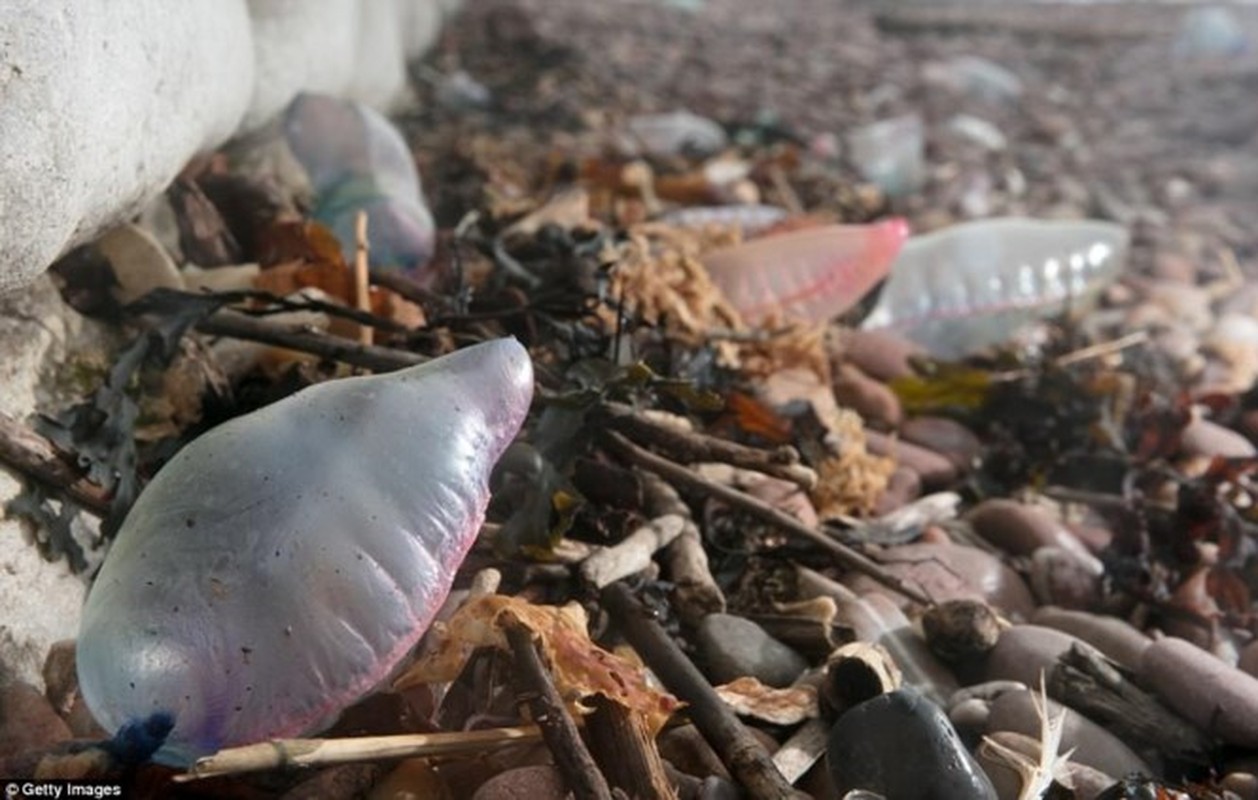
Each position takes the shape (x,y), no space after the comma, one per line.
(580,667)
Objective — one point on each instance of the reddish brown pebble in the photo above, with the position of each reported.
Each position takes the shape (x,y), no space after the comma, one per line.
(1112,636)
(952,572)
(27,720)
(1066,578)
(882,355)
(1094,746)
(524,783)
(934,469)
(1025,652)
(874,401)
(949,438)
(61,681)
(903,487)
(1249,659)
(1086,783)
(1021,529)
(1205,438)
(1219,699)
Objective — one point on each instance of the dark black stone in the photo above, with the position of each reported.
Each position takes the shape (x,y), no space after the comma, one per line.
(901,746)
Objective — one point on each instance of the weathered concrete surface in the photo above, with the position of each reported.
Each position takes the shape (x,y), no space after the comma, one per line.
(104,103)
(39,601)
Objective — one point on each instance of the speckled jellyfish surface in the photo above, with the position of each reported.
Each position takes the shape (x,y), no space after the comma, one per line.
(280,566)
(969,286)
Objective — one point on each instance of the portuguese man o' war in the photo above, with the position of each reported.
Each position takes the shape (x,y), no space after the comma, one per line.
(280,566)
(358,161)
(973,285)
(815,274)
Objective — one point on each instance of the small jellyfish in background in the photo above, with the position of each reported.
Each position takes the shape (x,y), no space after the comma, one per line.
(358,161)
(280,566)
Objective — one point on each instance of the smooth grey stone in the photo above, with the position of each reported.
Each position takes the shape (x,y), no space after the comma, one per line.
(901,746)
(733,647)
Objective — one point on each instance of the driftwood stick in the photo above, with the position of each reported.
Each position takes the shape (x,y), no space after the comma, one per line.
(31,454)
(1085,681)
(741,753)
(288,753)
(695,593)
(535,687)
(623,747)
(684,476)
(691,446)
(805,748)
(298,337)
(632,554)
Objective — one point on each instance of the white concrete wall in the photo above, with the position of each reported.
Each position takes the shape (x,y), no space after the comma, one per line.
(102,103)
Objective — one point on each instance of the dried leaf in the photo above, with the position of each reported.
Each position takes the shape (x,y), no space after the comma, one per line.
(749,697)
(580,667)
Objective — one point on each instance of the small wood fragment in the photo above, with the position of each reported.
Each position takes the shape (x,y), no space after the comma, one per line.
(693,446)
(633,554)
(741,752)
(626,752)
(695,593)
(31,454)
(235,325)
(1084,680)
(535,687)
(683,476)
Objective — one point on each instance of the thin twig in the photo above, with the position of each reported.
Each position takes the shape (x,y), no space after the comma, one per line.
(1102,349)
(741,752)
(684,476)
(694,446)
(362,296)
(299,337)
(287,753)
(534,686)
(695,591)
(31,454)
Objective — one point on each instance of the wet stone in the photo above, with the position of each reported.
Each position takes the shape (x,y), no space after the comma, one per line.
(901,746)
(733,647)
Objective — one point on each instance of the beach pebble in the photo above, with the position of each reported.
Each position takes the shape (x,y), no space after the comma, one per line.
(733,647)
(900,745)
(540,782)
(27,720)
(949,438)
(1094,746)
(873,400)
(1203,437)
(1026,651)
(61,680)
(935,470)
(883,355)
(903,487)
(1115,638)
(1066,578)
(1021,529)
(1249,659)
(1086,782)
(1220,699)
(953,572)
